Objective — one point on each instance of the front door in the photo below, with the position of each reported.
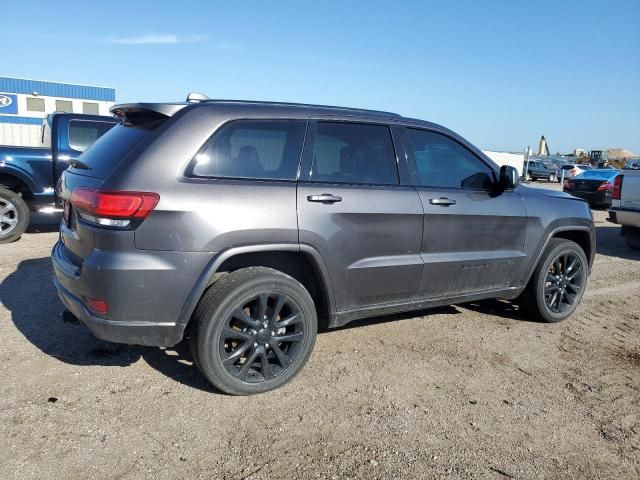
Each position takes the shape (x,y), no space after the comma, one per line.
(352,209)
(473,234)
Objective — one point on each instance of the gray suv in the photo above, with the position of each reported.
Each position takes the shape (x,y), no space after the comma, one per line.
(247,226)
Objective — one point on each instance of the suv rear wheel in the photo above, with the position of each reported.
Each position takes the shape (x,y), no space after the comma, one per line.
(558,282)
(253,331)
(14,216)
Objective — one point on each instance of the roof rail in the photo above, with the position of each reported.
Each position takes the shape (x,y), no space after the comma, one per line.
(293,104)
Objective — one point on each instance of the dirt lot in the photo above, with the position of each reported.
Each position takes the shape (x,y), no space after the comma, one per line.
(472,391)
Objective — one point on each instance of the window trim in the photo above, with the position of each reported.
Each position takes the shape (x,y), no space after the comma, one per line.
(412,168)
(188,171)
(80,120)
(307,160)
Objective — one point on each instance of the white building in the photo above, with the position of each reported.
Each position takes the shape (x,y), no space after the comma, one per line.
(24,103)
(515,160)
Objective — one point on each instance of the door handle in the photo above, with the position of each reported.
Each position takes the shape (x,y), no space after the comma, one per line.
(442,201)
(324,198)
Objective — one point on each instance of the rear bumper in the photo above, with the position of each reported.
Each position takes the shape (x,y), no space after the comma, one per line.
(626,217)
(594,198)
(133,333)
(145,292)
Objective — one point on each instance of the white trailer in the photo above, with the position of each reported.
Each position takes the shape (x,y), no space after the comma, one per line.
(515,160)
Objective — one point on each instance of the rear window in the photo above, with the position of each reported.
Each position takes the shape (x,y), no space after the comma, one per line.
(260,149)
(110,149)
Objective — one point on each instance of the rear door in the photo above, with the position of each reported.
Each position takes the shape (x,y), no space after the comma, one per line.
(353,210)
(473,235)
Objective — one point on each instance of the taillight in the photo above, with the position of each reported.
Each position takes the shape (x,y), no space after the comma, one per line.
(96,305)
(617,187)
(605,186)
(113,208)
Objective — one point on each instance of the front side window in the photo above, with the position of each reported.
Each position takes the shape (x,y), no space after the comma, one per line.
(442,162)
(83,134)
(353,153)
(260,149)
(35,104)
(64,106)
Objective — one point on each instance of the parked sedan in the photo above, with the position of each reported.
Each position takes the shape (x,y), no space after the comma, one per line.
(595,186)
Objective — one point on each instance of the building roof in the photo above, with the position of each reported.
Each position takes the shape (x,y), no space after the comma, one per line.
(55,89)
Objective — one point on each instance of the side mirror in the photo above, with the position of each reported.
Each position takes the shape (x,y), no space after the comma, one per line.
(509,178)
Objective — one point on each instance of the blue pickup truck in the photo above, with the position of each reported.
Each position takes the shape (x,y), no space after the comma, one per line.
(28,175)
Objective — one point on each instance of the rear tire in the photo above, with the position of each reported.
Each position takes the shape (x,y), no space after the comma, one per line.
(14,216)
(253,331)
(558,282)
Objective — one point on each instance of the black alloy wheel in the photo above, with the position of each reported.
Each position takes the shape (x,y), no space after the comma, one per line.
(564,282)
(262,337)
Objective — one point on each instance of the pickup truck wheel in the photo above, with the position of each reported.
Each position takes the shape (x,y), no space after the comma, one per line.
(552,178)
(254,331)
(558,282)
(14,216)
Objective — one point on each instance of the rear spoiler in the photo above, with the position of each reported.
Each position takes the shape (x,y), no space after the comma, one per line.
(160,109)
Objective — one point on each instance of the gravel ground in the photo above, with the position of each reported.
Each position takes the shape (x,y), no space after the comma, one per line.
(472,391)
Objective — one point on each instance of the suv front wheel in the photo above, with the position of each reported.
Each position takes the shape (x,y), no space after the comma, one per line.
(253,331)
(558,282)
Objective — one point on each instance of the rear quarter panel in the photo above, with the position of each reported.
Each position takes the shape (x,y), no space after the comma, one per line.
(196,214)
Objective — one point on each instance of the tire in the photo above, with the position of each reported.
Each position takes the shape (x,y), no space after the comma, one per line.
(226,333)
(633,240)
(552,178)
(14,216)
(528,177)
(540,291)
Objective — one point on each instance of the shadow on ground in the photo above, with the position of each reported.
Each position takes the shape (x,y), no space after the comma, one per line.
(610,243)
(29,294)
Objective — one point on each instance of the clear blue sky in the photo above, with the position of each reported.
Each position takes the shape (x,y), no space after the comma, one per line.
(501,73)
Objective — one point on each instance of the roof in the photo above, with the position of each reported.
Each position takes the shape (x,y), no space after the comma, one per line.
(295,110)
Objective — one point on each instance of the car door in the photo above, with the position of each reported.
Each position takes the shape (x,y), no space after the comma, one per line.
(473,234)
(354,212)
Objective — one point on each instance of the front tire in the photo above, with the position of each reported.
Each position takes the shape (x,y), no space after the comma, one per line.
(558,282)
(14,216)
(253,331)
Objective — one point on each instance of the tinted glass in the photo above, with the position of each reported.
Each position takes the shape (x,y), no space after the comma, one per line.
(442,162)
(111,148)
(262,149)
(84,134)
(90,108)
(64,106)
(353,153)
(35,104)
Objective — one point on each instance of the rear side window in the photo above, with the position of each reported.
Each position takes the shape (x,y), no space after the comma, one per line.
(260,149)
(83,134)
(442,162)
(111,148)
(353,153)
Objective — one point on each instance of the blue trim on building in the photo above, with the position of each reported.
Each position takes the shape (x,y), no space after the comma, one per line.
(51,89)
(21,120)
